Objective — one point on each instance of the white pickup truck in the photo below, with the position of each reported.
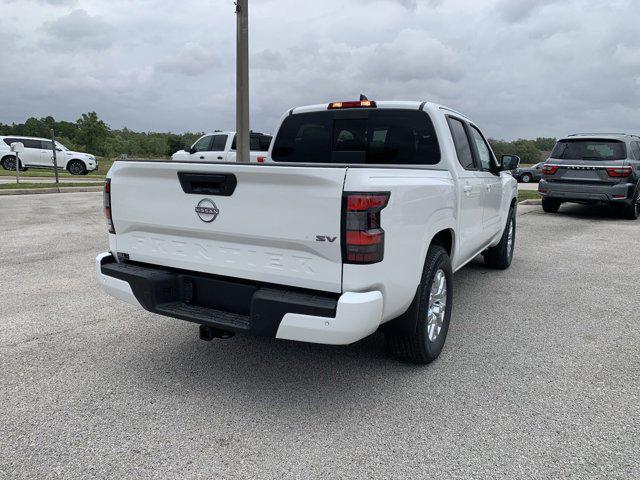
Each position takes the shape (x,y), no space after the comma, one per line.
(221,147)
(356,224)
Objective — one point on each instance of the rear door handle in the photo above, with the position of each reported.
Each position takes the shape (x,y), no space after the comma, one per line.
(468,189)
(219,158)
(201,157)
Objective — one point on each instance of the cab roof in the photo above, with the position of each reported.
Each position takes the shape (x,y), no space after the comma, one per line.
(382,104)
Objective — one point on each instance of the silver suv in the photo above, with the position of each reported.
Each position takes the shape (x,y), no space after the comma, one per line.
(593,168)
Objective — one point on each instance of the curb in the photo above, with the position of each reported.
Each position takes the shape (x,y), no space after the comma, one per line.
(530,202)
(35,191)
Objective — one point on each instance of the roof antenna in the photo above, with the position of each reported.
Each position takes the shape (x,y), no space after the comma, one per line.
(363,97)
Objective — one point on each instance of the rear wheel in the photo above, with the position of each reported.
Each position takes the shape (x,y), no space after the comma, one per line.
(526,178)
(632,212)
(76,167)
(432,315)
(9,163)
(550,205)
(501,255)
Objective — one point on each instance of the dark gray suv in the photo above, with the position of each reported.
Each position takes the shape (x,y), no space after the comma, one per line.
(593,168)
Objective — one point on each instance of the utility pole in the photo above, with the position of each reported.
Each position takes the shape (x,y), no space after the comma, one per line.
(54,150)
(242,82)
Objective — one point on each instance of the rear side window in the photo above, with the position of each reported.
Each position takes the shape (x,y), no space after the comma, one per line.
(589,149)
(32,144)
(461,141)
(381,137)
(257,143)
(635,147)
(219,143)
(47,145)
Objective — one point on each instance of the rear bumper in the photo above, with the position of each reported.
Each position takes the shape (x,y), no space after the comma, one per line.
(242,306)
(586,192)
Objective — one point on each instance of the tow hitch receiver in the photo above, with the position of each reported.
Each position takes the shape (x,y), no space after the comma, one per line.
(209,333)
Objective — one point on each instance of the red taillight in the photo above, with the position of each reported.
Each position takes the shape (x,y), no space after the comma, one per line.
(107,205)
(363,236)
(620,172)
(356,104)
(550,169)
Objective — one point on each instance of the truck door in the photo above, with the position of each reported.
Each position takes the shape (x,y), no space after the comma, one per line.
(469,195)
(492,185)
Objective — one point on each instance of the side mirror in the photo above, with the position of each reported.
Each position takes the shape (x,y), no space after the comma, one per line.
(191,150)
(17,147)
(58,149)
(510,162)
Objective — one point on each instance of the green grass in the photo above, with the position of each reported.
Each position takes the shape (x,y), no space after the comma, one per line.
(103,168)
(528,195)
(14,186)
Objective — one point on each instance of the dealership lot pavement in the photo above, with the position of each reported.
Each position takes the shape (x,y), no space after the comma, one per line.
(539,377)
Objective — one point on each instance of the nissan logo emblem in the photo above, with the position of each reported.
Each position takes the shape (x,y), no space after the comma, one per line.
(207,210)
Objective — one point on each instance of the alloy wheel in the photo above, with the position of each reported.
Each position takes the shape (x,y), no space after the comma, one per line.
(437,305)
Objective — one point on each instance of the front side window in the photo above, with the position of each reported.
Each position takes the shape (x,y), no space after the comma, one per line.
(380,137)
(484,154)
(219,143)
(461,141)
(202,145)
(588,149)
(47,145)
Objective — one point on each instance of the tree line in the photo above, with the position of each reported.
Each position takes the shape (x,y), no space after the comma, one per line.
(90,134)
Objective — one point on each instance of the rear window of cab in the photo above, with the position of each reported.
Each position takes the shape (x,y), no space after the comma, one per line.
(358,136)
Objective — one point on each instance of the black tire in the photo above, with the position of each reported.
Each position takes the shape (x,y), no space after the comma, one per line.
(77,167)
(9,163)
(632,212)
(550,205)
(501,256)
(526,178)
(422,346)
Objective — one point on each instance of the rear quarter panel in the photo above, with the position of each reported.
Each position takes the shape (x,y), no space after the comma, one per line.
(421,204)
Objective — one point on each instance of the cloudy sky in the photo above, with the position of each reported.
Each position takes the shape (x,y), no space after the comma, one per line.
(520,68)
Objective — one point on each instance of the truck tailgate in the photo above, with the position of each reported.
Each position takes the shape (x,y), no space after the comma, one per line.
(252,222)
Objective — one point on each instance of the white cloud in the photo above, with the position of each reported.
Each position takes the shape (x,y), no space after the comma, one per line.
(519,68)
(77,31)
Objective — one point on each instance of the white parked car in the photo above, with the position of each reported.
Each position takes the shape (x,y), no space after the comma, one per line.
(221,147)
(38,154)
(357,224)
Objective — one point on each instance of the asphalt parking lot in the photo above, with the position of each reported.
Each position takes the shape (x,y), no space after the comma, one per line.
(539,377)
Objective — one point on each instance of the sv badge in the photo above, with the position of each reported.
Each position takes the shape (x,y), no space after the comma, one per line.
(324,238)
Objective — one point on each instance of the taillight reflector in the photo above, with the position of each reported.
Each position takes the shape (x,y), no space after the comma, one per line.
(363,236)
(620,172)
(107,205)
(355,104)
(550,169)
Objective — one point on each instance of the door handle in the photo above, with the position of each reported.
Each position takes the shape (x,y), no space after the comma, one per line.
(201,157)
(219,158)
(467,189)
(488,188)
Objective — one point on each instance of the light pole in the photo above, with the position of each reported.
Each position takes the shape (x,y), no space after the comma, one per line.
(55,157)
(242,81)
